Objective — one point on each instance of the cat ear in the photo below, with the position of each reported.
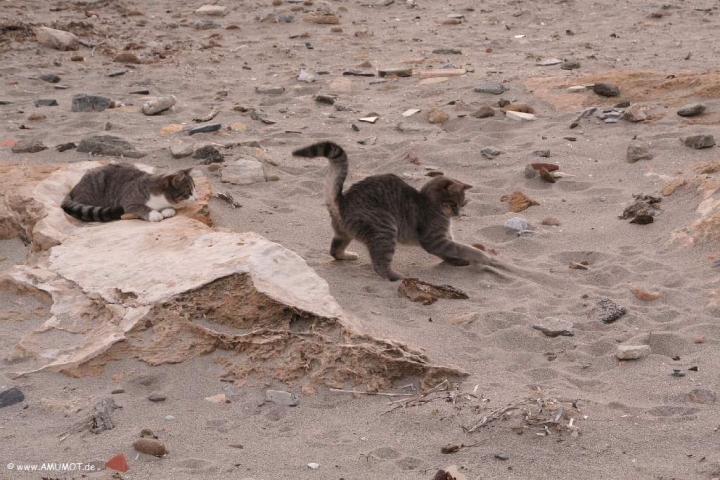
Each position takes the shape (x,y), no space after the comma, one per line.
(466,186)
(187,171)
(177,179)
(458,187)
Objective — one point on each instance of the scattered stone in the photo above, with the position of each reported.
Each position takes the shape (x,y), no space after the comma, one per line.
(305,77)
(205,129)
(447,51)
(57,39)
(11,396)
(270,89)
(606,90)
(117,73)
(50,78)
(359,73)
(150,446)
(117,391)
(546,175)
(46,102)
(368,119)
(637,152)
(140,92)
(209,154)
(282,398)
(89,103)
(396,72)
(517,107)
(158,105)
(219,398)
(611,116)
(323,19)
(29,145)
(577,89)
(530,172)
(691,110)
(548,62)
(490,152)
(108,145)
(578,266)
(698,339)
(243,172)
(156,397)
(313,466)
(636,113)
(127,57)
(77,58)
(427,293)
(551,221)
(702,396)
(441,72)
(570,65)
(542,153)
(211,10)
(553,327)
(33,117)
(484,112)
(326,99)
(624,104)
(644,295)
(632,352)
(520,116)
(437,116)
(518,201)
(678,373)
(65,146)
(700,141)
(494,88)
(118,463)
(101,420)
(517,225)
(205,24)
(181,150)
(609,311)
(502,456)
(410,112)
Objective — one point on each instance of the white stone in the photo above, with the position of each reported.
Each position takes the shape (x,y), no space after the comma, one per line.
(280,397)
(410,112)
(577,89)
(314,466)
(520,116)
(182,150)
(553,327)
(369,119)
(57,39)
(212,10)
(243,172)
(157,105)
(632,352)
(219,398)
(549,62)
(306,77)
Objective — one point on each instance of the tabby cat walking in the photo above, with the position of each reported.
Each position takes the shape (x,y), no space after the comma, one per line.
(106,193)
(382,210)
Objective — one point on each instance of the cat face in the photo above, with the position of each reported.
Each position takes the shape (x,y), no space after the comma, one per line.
(449,194)
(179,187)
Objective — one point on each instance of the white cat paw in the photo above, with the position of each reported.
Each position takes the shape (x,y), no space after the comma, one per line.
(168,212)
(155,216)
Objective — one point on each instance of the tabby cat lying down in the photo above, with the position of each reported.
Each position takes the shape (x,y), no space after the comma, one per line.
(106,193)
(382,210)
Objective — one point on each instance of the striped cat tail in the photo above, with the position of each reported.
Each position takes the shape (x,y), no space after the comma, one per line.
(337,173)
(88,213)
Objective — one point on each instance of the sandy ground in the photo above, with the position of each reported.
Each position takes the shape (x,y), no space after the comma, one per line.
(636,420)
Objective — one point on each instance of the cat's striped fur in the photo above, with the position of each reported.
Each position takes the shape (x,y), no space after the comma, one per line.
(105,193)
(382,210)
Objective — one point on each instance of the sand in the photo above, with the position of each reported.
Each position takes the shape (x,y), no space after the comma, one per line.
(633,419)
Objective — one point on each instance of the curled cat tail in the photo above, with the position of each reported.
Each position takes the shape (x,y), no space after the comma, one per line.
(336,174)
(88,213)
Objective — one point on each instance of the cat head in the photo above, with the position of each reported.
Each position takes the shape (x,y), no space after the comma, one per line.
(179,187)
(449,194)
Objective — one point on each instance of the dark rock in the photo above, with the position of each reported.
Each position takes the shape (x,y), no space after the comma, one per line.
(61,87)
(101,420)
(127,57)
(502,456)
(638,152)
(570,65)
(117,74)
(490,152)
(359,73)
(209,154)
(46,102)
(326,99)
(606,90)
(447,51)
(65,146)
(542,153)
(108,145)
(484,112)
(700,141)
(206,129)
(495,88)
(155,397)
(89,103)
(609,311)
(50,78)
(396,72)
(29,145)
(11,397)
(117,391)
(691,110)
(140,92)
(624,104)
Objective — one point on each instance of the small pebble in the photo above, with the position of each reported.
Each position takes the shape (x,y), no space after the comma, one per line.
(606,90)
(206,129)
(691,110)
(502,456)
(700,141)
(155,397)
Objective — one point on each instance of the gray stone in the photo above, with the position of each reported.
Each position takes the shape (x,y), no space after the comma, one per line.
(484,112)
(517,224)
(205,24)
(57,39)
(636,113)
(490,152)
(50,78)
(637,152)
(447,51)
(181,150)
(691,110)
(108,145)
(117,391)
(548,62)
(570,65)
(11,397)
(702,396)
(46,102)
(632,352)
(495,88)
(609,311)
(89,103)
(553,327)
(306,77)
(243,172)
(395,71)
(29,145)
(282,398)
(530,172)
(158,105)
(700,141)
(156,397)
(606,90)
(270,89)
(542,153)
(209,154)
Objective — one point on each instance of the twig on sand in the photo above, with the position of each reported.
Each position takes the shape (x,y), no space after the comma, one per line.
(494,415)
(358,392)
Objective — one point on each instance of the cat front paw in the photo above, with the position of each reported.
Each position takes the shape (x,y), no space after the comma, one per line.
(155,216)
(168,212)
